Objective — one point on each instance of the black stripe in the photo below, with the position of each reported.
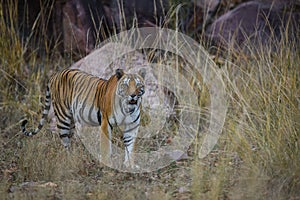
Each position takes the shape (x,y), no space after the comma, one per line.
(99,117)
(126,131)
(30,133)
(90,119)
(64,135)
(127,144)
(48,96)
(128,140)
(62,128)
(128,137)
(57,111)
(61,111)
(136,118)
(111,127)
(64,123)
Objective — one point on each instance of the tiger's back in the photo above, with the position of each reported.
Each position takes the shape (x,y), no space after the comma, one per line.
(76,94)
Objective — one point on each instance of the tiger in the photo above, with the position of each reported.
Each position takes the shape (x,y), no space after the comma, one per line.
(79,97)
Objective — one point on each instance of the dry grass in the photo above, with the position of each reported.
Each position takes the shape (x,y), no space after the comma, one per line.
(257,156)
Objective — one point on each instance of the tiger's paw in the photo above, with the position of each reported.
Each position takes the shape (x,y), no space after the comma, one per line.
(66,142)
(131,165)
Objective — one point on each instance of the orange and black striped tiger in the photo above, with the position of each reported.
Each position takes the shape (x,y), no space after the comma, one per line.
(86,99)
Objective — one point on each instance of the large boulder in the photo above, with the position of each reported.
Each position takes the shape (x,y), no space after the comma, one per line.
(256,22)
(143,12)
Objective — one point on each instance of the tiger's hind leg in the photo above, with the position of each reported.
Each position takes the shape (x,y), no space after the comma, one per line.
(65,124)
(66,134)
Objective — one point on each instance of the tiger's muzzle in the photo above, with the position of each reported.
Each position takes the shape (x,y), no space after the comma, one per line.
(132,103)
(133,99)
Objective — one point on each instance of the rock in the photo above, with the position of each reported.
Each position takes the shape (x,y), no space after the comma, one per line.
(208,5)
(202,13)
(103,61)
(80,24)
(257,22)
(148,13)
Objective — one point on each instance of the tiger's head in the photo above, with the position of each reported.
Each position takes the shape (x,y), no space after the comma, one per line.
(130,89)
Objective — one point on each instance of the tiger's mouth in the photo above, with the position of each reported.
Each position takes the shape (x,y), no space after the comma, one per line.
(132,102)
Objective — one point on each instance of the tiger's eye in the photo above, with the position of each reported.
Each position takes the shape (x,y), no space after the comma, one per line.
(141,91)
(124,86)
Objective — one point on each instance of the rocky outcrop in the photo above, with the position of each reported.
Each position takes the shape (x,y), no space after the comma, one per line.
(142,12)
(256,22)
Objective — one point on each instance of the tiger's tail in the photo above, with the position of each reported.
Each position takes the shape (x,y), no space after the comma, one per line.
(44,117)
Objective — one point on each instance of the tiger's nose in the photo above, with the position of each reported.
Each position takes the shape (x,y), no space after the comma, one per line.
(133,97)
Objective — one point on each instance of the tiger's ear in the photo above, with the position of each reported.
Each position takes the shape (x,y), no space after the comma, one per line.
(142,73)
(119,73)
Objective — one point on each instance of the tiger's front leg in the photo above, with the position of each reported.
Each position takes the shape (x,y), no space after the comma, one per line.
(105,142)
(129,139)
